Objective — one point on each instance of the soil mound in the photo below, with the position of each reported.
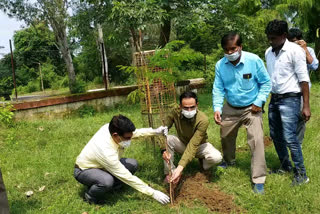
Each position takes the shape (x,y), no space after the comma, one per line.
(195,188)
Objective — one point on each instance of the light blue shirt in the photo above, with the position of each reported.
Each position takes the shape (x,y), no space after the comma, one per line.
(315,63)
(244,84)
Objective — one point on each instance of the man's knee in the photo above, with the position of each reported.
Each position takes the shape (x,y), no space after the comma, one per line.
(130,163)
(212,155)
(171,141)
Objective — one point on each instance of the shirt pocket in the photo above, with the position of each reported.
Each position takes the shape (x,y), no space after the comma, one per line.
(247,81)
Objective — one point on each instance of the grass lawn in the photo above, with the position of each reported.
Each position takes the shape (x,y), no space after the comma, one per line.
(42,153)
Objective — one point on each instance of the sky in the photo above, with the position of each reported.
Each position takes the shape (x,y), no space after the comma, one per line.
(7,28)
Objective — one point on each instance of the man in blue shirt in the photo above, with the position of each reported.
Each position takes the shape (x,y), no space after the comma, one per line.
(243,80)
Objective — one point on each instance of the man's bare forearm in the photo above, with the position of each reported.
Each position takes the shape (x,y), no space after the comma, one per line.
(305,93)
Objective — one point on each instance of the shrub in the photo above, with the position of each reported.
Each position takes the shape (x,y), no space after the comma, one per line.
(135,96)
(6,86)
(33,86)
(86,111)
(6,114)
(79,87)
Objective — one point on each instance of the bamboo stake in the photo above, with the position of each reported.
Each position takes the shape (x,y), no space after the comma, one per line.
(171,190)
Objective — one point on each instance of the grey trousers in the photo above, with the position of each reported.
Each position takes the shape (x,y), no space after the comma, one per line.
(4,206)
(232,119)
(205,151)
(99,181)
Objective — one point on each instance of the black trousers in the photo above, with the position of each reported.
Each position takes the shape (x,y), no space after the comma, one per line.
(4,206)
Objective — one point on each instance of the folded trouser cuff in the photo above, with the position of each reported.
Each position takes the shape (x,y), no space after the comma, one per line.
(259,180)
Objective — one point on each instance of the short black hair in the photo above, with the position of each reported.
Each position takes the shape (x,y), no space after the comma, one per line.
(188,94)
(230,37)
(277,27)
(121,124)
(295,33)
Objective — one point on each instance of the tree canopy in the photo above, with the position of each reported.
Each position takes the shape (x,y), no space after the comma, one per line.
(64,35)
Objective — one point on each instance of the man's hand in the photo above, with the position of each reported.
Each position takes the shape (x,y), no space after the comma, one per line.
(176,175)
(160,197)
(306,113)
(217,117)
(302,44)
(162,130)
(166,156)
(255,109)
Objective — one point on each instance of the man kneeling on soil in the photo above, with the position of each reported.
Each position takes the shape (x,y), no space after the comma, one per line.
(191,126)
(98,165)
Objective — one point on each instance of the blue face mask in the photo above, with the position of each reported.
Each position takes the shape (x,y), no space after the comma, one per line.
(233,57)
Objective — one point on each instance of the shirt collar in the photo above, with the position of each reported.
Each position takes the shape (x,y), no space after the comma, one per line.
(285,46)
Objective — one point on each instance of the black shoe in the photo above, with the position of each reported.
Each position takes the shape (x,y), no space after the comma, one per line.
(92,200)
(280,171)
(225,164)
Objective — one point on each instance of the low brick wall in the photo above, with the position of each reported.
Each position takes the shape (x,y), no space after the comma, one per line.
(59,107)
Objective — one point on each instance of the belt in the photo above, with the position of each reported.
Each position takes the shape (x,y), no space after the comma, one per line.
(76,166)
(239,107)
(286,95)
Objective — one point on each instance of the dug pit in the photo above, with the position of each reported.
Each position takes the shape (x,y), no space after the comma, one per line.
(195,187)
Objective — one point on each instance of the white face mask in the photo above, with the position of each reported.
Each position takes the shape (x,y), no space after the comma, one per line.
(125,144)
(233,57)
(189,114)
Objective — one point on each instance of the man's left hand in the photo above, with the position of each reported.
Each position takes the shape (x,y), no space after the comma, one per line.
(255,109)
(162,130)
(176,175)
(302,44)
(306,113)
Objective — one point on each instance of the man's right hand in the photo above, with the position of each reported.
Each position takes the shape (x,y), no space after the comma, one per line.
(160,197)
(166,156)
(217,117)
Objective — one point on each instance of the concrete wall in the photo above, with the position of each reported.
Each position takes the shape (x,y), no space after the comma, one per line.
(59,107)
(63,110)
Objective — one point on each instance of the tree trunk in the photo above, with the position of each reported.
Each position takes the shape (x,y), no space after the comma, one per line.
(64,48)
(135,40)
(103,55)
(165,30)
(56,12)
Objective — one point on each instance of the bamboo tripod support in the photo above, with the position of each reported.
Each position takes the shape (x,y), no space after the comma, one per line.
(171,190)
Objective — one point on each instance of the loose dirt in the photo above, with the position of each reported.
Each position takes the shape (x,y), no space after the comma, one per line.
(267,141)
(196,188)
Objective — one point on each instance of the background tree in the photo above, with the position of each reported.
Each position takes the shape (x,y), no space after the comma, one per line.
(53,12)
(34,45)
(304,14)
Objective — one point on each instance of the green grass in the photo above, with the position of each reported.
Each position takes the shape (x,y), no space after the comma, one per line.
(31,158)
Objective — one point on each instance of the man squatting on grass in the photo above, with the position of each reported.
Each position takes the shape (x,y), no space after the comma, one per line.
(100,167)
(295,35)
(243,80)
(192,140)
(286,64)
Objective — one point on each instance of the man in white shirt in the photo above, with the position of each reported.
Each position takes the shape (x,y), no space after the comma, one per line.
(99,165)
(295,35)
(286,64)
